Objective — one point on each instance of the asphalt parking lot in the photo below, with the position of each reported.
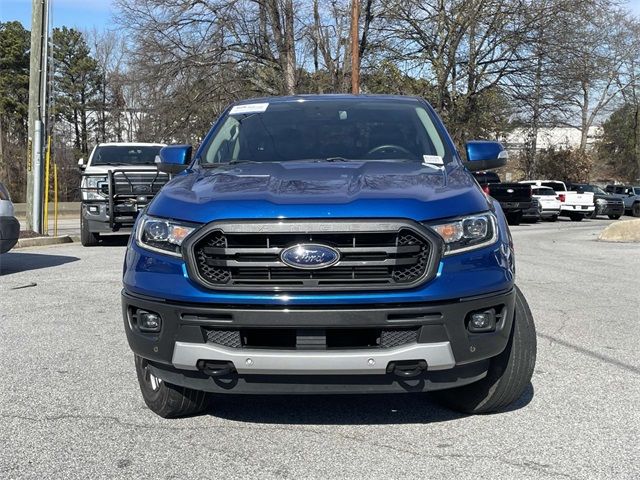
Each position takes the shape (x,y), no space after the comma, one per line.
(70,405)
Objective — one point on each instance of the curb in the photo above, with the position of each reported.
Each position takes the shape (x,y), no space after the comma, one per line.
(44,241)
(622,231)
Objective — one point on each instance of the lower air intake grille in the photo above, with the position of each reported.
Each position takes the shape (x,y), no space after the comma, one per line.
(290,338)
(227,338)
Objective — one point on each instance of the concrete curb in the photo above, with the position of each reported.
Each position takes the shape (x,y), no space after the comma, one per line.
(621,231)
(45,241)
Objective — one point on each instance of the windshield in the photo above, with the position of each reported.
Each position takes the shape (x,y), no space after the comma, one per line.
(333,130)
(557,186)
(589,188)
(544,191)
(125,155)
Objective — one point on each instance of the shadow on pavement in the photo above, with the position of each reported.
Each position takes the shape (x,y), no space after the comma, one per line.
(374,409)
(113,241)
(13,262)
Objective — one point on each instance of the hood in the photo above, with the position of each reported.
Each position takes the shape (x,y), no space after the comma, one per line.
(354,189)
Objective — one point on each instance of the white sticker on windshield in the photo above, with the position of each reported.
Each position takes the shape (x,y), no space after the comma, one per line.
(248,108)
(432,159)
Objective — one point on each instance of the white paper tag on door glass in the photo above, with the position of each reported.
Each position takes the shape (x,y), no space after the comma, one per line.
(432,159)
(248,108)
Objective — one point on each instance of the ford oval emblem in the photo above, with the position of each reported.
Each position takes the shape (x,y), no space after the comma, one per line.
(310,256)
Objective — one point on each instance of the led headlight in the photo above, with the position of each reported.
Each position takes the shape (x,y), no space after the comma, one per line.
(601,201)
(91,187)
(467,233)
(162,235)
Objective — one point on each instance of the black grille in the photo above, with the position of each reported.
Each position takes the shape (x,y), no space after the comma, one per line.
(368,259)
(227,338)
(136,183)
(395,338)
(325,339)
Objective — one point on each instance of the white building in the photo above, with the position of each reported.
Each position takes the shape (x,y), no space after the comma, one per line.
(557,137)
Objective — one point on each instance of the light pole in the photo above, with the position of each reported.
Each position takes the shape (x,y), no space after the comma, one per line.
(37,99)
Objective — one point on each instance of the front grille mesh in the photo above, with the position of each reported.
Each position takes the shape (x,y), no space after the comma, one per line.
(386,338)
(227,338)
(368,260)
(397,337)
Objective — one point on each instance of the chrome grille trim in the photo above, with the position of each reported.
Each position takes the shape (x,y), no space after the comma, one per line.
(407,255)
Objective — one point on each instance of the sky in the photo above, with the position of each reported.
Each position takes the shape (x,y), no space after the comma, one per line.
(81,14)
(89,14)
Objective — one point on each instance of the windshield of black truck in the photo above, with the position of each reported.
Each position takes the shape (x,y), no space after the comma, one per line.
(122,155)
(327,130)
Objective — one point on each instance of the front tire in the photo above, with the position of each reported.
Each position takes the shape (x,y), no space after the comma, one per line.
(614,217)
(87,237)
(635,209)
(509,373)
(576,217)
(165,399)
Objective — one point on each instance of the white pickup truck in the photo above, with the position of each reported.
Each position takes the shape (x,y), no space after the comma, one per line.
(574,205)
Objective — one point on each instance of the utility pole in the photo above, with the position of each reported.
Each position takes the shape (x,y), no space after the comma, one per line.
(355,47)
(37,83)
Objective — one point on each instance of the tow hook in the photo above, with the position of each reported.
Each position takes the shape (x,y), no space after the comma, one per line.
(216,368)
(407,368)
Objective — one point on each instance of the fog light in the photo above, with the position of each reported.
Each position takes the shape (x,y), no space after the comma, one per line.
(482,321)
(149,321)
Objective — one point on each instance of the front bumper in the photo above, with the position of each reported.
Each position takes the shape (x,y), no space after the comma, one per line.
(453,355)
(9,233)
(97,216)
(610,208)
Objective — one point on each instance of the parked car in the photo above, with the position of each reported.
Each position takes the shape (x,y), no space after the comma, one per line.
(550,205)
(605,203)
(514,198)
(533,213)
(118,181)
(574,205)
(9,226)
(630,196)
(326,244)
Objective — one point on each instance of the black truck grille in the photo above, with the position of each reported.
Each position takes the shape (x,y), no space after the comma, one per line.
(316,339)
(389,255)
(135,183)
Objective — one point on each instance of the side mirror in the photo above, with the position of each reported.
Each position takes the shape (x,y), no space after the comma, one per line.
(81,164)
(485,155)
(174,158)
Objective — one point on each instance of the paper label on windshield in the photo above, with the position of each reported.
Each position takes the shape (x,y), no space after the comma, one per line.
(432,159)
(248,108)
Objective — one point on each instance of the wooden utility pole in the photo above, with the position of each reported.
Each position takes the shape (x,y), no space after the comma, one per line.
(34,151)
(355,47)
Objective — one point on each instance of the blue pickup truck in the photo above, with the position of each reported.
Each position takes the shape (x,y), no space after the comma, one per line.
(326,244)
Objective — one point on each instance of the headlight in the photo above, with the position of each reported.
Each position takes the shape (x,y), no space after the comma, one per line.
(161,235)
(91,187)
(467,233)
(601,201)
